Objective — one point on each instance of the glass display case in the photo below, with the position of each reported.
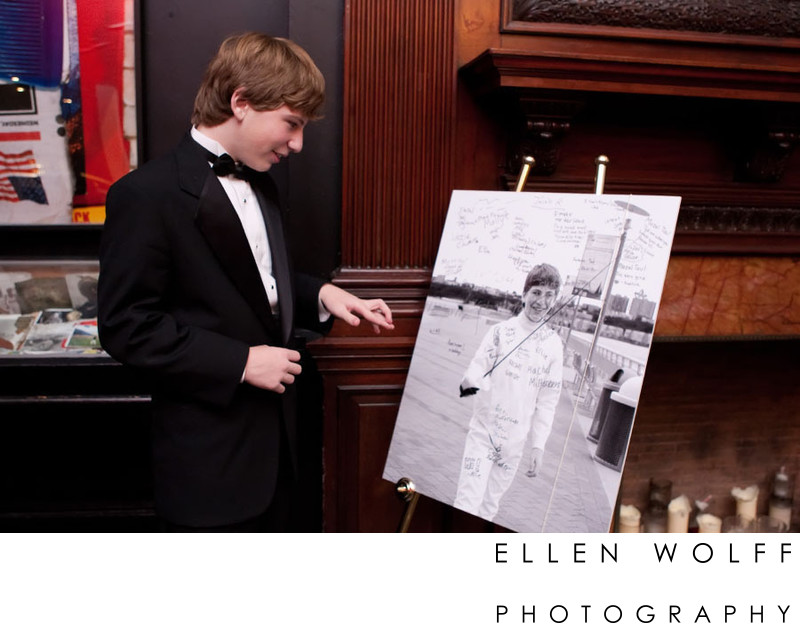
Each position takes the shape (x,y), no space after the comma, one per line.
(49,308)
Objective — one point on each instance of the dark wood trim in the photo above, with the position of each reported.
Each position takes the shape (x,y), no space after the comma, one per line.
(642,34)
(721,25)
(398,130)
(386,282)
(744,243)
(697,76)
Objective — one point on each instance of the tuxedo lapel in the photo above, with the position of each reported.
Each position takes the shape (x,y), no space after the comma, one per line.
(265,191)
(218,222)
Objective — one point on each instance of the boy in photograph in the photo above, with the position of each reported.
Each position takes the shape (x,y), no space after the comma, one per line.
(197,291)
(515,379)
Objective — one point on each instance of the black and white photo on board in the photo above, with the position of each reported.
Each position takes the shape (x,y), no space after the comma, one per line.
(530,355)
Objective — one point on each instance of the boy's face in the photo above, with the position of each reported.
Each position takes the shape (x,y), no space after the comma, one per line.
(538,301)
(264,138)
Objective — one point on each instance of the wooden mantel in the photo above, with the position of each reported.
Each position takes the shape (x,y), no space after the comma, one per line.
(731,113)
(760,75)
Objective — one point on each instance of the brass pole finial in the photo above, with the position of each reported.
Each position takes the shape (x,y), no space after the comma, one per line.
(408,492)
(527,163)
(600,178)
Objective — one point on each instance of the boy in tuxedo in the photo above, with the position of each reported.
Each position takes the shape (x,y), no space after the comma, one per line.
(197,291)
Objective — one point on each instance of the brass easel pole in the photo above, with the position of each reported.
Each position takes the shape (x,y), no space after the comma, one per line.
(600,179)
(527,163)
(408,492)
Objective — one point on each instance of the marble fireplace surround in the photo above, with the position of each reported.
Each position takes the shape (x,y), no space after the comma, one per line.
(730,297)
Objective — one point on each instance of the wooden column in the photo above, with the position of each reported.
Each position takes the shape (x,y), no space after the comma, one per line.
(399,97)
(398,130)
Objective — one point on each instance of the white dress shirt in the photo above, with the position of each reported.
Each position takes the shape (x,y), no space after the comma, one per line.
(248,209)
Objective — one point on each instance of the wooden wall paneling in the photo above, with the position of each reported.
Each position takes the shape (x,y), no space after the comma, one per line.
(481,143)
(397,163)
(477,28)
(352,362)
(398,131)
(364,502)
(363,378)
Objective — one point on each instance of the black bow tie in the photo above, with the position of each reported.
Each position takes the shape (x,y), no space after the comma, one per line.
(225,165)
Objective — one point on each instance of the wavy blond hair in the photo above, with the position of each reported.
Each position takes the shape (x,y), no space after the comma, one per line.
(272,71)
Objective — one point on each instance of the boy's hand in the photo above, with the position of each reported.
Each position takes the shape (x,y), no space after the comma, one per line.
(348,307)
(270,367)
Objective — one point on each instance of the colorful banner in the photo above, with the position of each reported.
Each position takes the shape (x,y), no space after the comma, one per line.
(62,142)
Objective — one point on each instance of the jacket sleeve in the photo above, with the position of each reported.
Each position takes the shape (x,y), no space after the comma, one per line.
(134,323)
(307,308)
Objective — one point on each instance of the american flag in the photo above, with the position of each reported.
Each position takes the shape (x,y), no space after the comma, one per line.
(19,178)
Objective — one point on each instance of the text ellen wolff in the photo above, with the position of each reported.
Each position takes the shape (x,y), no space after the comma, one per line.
(753,552)
(579,552)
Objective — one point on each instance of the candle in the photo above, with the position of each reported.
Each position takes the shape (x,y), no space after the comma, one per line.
(678,514)
(737,523)
(780,512)
(629,518)
(708,523)
(746,501)
(660,492)
(655,519)
(780,502)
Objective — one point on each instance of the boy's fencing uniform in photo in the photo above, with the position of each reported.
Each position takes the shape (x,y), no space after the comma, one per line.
(519,384)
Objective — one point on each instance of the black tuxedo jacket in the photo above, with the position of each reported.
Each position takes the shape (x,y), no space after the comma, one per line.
(180,297)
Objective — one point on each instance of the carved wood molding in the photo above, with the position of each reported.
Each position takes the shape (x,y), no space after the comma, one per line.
(392,283)
(739,219)
(575,71)
(398,130)
(734,20)
(738,230)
